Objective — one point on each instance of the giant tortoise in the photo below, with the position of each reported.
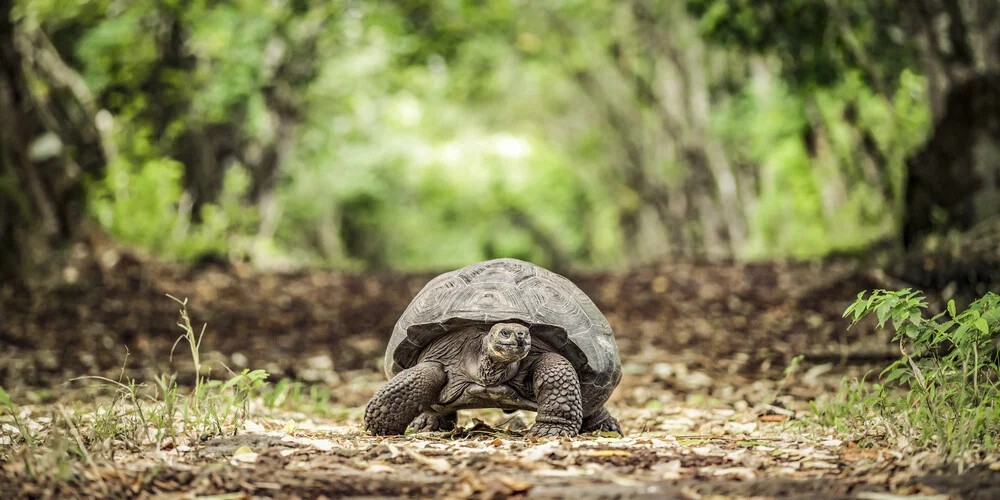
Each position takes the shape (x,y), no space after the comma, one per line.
(502,333)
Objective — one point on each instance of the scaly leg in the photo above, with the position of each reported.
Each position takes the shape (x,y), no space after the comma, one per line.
(411,392)
(557,392)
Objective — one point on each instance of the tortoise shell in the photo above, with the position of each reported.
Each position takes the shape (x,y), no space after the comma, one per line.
(555,310)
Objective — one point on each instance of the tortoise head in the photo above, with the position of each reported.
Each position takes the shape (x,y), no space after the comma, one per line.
(507,342)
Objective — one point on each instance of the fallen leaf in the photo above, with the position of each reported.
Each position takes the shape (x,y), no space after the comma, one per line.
(670,470)
(515,485)
(567,472)
(701,450)
(772,418)
(438,465)
(741,473)
(817,464)
(541,451)
(608,453)
(738,428)
(851,454)
(322,444)
(872,495)
(244,454)
(252,426)
(625,481)
(380,468)
(268,486)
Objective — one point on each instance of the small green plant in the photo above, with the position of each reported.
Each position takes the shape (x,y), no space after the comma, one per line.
(22,427)
(949,363)
(212,401)
(135,416)
(194,343)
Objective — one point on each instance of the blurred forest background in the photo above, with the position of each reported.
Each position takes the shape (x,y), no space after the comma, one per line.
(427,134)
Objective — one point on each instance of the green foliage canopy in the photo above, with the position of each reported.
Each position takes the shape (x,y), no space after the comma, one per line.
(429,134)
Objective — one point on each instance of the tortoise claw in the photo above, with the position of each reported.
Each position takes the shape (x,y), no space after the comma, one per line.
(434,422)
(545,430)
(602,421)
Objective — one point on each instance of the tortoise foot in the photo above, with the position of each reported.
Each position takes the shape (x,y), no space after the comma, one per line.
(545,430)
(434,422)
(602,421)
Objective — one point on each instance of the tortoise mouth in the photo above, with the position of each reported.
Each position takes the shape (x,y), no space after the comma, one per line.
(518,343)
(509,350)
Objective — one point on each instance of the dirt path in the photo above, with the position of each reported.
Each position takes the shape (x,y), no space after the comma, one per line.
(704,347)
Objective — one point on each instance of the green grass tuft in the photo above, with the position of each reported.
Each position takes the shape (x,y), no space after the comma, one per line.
(133,417)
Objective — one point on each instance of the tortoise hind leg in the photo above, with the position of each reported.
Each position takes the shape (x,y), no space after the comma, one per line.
(601,421)
(431,421)
(402,398)
(557,391)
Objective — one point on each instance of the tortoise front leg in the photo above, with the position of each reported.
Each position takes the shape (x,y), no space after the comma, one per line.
(402,398)
(432,421)
(601,421)
(557,391)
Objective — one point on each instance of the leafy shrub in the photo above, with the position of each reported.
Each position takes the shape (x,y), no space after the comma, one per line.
(948,363)
(144,204)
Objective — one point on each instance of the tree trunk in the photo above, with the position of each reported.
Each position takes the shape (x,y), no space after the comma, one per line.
(954,180)
(42,200)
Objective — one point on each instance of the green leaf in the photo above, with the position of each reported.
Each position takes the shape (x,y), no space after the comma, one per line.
(959,334)
(258,375)
(983,326)
(882,312)
(5,400)
(849,309)
(857,313)
(231,382)
(951,307)
(871,300)
(897,373)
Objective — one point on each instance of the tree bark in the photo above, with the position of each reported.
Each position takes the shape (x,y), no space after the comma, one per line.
(41,189)
(954,180)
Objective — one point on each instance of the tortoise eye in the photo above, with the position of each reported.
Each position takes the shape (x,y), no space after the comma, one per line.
(505,334)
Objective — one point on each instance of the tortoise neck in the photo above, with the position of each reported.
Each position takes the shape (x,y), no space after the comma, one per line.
(491,371)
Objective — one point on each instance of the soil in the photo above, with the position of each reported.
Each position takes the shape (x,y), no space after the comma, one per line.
(702,401)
